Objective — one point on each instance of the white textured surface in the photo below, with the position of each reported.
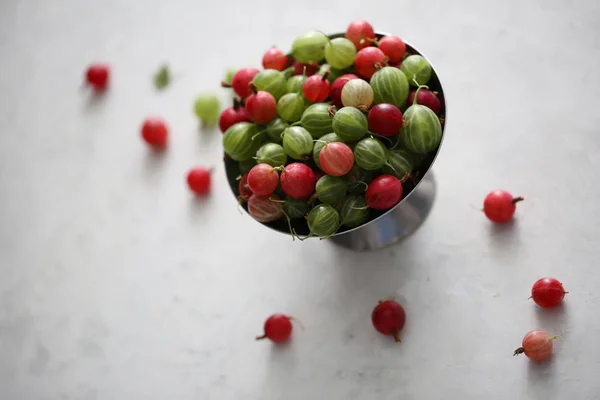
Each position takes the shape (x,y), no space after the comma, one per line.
(116,284)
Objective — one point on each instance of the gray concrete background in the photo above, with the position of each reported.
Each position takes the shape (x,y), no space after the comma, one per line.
(116,284)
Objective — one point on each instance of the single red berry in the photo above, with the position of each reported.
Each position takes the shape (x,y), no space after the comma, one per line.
(265,208)
(388,318)
(274,59)
(263,179)
(368,60)
(311,68)
(240,81)
(336,89)
(360,33)
(537,345)
(244,188)
(499,206)
(232,115)
(316,88)
(384,192)
(298,181)
(261,106)
(278,328)
(155,132)
(547,292)
(385,119)
(426,98)
(198,180)
(97,76)
(393,47)
(336,159)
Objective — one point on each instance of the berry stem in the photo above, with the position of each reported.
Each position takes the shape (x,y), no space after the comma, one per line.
(517,199)
(332,111)
(418,89)
(518,351)
(252,88)
(396,336)
(237,103)
(225,84)
(264,336)
(363,108)
(325,75)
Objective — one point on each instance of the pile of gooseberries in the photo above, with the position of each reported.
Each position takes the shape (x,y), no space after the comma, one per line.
(332,134)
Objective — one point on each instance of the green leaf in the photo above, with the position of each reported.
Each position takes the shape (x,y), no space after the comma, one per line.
(162,78)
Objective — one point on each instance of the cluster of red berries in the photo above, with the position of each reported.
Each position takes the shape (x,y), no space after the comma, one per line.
(154,130)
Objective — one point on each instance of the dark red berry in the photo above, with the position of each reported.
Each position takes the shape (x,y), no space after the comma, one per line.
(155,132)
(385,119)
(298,181)
(198,180)
(547,292)
(261,106)
(97,76)
(241,80)
(384,192)
(336,89)
(426,98)
(278,328)
(388,318)
(311,68)
(232,115)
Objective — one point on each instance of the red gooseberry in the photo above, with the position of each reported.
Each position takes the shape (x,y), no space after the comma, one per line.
(360,33)
(240,81)
(426,98)
(244,188)
(97,76)
(278,328)
(388,318)
(232,115)
(393,47)
(383,192)
(155,132)
(265,208)
(368,60)
(298,181)
(311,68)
(499,206)
(547,292)
(198,180)
(274,59)
(336,159)
(261,106)
(336,89)
(316,88)
(263,179)
(385,119)
(537,345)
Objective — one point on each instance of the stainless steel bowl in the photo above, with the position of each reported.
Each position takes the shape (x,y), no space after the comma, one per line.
(386,227)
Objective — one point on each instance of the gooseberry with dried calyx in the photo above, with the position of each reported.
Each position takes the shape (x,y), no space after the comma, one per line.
(316,88)
(336,159)
(263,179)
(265,208)
(537,345)
(298,181)
(500,206)
(388,318)
(278,328)
(336,89)
(369,60)
(385,119)
(240,81)
(261,106)
(360,33)
(547,292)
(232,115)
(384,192)
(393,47)
(357,93)
(274,59)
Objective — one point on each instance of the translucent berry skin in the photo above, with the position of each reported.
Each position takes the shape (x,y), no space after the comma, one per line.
(383,192)
(261,107)
(336,89)
(298,181)
(232,116)
(393,47)
(97,76)
(537,346)
(274,59)
(388,318)
(244,188)
(426,98)
(547,292)
(367,60)
(336,159)
(198,180)
(385,119)
(311,68)
(265,208)
(241,79)
(278,328)
(360,33)
(155,132)
(316,88)
(263,179)
(499,206)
